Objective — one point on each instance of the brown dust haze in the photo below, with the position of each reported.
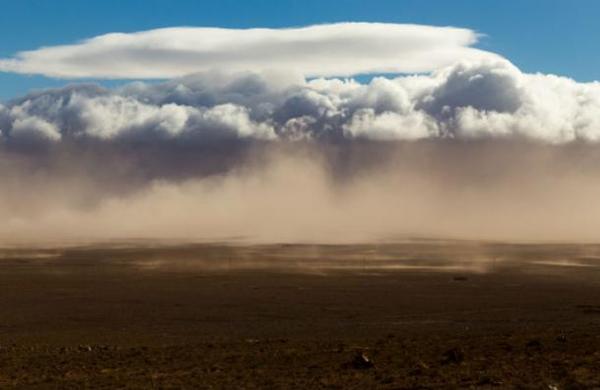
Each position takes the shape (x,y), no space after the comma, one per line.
(305,192)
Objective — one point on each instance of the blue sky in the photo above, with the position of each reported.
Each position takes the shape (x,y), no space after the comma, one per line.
(548,36)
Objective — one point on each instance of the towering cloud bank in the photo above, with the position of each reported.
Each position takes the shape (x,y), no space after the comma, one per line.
(474,149)
(468,100)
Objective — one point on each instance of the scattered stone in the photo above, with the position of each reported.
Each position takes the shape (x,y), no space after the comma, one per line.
(486,380)
(453,356)
(85,348)
(534,344)
(419,369)
(361,362)
(215,368)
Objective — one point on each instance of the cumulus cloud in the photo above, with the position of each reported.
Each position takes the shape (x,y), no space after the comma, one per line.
(341,49)
(216,155)
(390,125)
(467,100)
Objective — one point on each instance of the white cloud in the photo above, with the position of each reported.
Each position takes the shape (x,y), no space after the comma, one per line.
(390,125)
(33,129)
(109,116)
(226,120)
(468,100)
(341,49)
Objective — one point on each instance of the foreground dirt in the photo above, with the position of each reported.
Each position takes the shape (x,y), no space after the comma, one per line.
(425,315)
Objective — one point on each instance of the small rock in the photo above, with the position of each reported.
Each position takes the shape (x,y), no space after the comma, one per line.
(453,356)
(534,344)
(215,368)
(361,362)
(85,348)
(460,278)
(419,369)
(489,381)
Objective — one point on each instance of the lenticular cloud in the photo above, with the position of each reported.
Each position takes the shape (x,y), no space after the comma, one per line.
(341,49)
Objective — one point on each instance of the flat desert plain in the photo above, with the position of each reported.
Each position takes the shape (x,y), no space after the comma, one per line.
(417,314)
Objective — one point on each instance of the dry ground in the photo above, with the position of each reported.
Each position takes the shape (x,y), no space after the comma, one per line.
(427,314)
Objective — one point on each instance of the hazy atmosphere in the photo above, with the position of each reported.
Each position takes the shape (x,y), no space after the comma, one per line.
(286,194)
(272,139)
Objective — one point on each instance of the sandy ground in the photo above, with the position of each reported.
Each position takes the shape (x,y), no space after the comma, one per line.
(426,314)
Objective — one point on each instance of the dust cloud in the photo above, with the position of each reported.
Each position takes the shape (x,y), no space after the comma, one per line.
(307,192)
